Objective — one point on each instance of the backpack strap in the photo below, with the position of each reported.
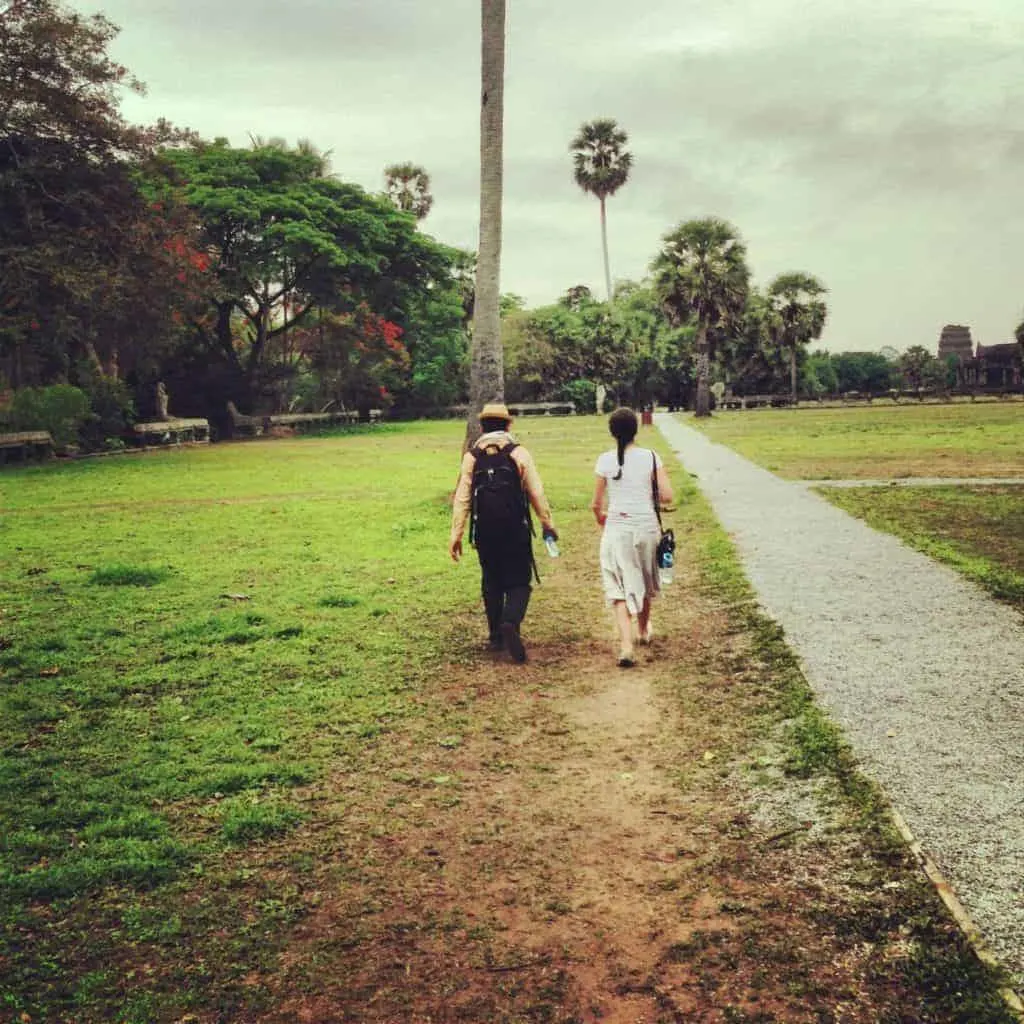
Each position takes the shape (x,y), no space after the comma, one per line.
(493,449)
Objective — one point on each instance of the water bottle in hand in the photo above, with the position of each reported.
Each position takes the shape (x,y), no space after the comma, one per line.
(666,571)
(551,543)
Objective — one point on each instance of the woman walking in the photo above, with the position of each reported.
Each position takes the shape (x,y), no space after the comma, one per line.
(624,506)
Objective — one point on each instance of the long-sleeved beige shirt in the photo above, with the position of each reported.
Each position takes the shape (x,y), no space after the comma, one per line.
(532,485)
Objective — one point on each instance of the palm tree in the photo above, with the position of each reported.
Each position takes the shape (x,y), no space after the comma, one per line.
(797,315)
(408,187)
(320,157)
(486,374)
(262,142)
(702,269)
(576,297)
(601,166)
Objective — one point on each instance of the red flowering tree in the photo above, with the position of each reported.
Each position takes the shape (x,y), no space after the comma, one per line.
(359,360)
(286,242)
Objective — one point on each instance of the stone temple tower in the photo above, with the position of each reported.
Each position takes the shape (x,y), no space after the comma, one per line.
(955,340)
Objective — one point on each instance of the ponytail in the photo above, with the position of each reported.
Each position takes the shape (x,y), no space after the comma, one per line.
(623,426)
(622,455)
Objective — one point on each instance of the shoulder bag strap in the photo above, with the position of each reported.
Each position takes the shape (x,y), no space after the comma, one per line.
(654,490)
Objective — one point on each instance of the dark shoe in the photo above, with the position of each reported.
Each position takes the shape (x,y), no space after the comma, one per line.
(513,641)
(496,642)
(626,660)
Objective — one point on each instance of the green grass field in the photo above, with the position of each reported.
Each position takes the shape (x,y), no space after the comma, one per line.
(146,684)
(878,442)
(152,719)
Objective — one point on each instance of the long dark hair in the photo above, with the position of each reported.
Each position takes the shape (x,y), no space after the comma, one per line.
(623,425)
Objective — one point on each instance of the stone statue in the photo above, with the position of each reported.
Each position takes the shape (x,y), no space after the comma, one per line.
(161,403)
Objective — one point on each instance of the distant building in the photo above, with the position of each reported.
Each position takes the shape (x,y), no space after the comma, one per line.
(990,367)
(997,366)
(955,340)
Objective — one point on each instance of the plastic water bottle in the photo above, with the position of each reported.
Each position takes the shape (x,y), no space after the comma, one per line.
(551,544)
(666,571)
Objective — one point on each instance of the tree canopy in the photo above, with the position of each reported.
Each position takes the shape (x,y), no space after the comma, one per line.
(86,271)
(796,316)
(282,243)
(601,166)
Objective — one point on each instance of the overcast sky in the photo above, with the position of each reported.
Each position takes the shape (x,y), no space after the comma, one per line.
(878,144)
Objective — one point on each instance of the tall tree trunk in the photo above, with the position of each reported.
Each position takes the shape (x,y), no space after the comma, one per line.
(792,372)
(225,336)
(702,406)
(604,248)
(487,376)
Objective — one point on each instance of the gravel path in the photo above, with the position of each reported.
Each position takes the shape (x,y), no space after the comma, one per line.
(921,669)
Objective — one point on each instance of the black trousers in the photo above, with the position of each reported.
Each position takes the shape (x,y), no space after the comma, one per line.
(506,572)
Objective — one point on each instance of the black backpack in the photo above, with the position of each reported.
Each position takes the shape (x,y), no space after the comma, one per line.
(498,510)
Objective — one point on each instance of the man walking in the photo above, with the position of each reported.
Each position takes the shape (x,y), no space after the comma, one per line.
(497,485)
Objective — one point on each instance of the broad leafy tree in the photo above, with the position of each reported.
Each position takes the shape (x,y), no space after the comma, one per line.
(702,272)
(655,352)
(285,242)
(867,372)
(746,358)
(819,375)
(601,166)
(487,377)
(921,369)
(436,338)
(359,359)
(797,314)
(88,270)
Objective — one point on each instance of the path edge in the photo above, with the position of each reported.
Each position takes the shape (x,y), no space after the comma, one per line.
(971,932)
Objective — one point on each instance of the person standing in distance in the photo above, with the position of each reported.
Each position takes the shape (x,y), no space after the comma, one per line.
(624,506)
(497,485)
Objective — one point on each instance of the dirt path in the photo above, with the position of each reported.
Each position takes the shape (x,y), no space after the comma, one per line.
(570,842)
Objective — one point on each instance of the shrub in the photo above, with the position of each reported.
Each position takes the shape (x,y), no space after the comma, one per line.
(582,392)
(112,412)
(60,409)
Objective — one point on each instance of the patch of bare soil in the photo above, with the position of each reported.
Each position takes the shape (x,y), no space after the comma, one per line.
(567,841)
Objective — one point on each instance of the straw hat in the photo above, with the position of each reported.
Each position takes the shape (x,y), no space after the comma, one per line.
(495,411)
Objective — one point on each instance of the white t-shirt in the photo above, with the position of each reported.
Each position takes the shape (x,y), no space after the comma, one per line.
(630,499)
